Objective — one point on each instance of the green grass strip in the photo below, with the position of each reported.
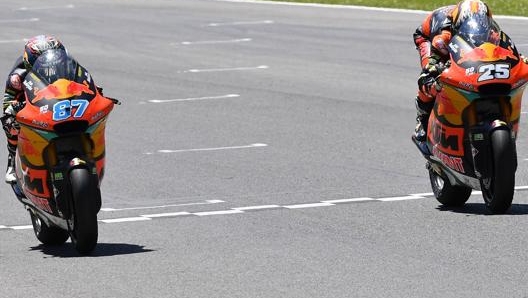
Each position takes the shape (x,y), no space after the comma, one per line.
(499,7)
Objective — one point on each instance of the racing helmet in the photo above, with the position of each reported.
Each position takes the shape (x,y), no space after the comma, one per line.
(473,19)
(55,64)
(37,45)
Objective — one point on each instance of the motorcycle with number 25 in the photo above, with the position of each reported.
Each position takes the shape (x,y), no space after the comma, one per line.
(473,127)
(60,157)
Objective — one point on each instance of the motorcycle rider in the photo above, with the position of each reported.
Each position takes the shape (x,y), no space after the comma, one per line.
(431,39)
(14,98)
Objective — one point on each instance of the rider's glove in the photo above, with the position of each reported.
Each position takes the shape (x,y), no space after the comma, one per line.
(426,84)
(427,81)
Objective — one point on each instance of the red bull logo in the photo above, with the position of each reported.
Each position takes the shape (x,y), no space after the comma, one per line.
(61,89)
(486,52)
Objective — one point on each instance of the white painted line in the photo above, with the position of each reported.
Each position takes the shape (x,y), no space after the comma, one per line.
(162,206)
(193,98)
(125,219)
(205,42)
(20,20)
(173,214)
(226,69)
(221,212)
(400,198)
(264,22)
(261,207)
(3,227)
(46,7)
(214,149)
(521,187)
(310,205)
(13,40)
(425,194)
(348,200)
(21,227)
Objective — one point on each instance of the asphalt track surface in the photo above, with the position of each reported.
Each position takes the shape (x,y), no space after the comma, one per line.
(260,151)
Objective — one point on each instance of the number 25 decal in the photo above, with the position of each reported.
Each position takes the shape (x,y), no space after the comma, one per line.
(63,109)
(494,71)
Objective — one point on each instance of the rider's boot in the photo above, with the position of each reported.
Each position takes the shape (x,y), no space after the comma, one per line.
(10,176)
(423,110)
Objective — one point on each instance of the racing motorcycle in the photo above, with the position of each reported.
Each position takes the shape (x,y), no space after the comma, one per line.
(472,130)
(60,155)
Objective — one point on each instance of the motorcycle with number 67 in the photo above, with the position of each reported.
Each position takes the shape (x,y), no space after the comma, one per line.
(473,128)
(60,157)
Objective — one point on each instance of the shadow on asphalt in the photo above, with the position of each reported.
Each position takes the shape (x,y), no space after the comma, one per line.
(481,209)
(101,250)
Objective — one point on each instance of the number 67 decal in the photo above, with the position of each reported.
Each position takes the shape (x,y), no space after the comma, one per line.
(63,109)
(494,71)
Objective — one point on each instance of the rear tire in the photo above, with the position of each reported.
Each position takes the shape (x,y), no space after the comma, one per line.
(85,197)
(447,194)
(46,234)
(499,194)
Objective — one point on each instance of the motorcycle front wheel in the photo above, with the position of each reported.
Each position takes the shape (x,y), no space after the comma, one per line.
(498,192)
(84,193)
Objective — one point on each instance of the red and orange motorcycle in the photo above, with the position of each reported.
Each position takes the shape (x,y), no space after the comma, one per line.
(472,130)
(60,157)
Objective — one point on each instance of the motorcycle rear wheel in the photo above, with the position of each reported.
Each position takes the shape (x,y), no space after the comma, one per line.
(84,194)
(447,194)
(498,196)
(46,234)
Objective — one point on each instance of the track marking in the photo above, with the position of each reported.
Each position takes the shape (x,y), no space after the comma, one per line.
(162,206)
(193,98)
(220,212)
(225,69)
(264,22)
(404,198)
(207,42)
(125,219)
(20,20)
(309,205)
(348,200)
(261,207)
(13,40)
(171,214)
(244,209)
(256,145)
(46,7)
(27,227)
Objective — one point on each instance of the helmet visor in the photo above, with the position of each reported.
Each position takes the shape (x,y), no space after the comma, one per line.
(478,29)
(55,64)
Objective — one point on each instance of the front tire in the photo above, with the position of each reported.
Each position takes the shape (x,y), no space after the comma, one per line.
(498,193)
(85,196)
(447,194)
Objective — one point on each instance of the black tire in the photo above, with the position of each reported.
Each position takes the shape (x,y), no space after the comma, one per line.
(499,194)
(447,194)
(85,196)
(46,234)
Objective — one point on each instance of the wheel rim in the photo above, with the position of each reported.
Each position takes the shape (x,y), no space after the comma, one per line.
(37,223)
(439,181)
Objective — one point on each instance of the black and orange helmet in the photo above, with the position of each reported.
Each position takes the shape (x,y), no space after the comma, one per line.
(474,9)
(37,45)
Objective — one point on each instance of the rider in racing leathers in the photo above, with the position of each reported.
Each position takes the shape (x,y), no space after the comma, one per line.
(14,96)
(432,38)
